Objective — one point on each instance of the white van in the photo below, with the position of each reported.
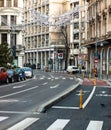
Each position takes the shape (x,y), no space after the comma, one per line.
(72,69)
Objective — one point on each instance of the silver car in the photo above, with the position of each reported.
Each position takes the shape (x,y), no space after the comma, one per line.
(28,72)
(72,69)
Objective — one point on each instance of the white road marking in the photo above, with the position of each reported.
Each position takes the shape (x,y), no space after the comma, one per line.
(103,95)
(8,95)
(45,83)
(95,125)
(10,100)
(3,118)
(56,78)
(19,86)
(59,124)
(103,92)
(42,78)
(55,86)
(71,78)
(65,107)
(19,112)
(89,98)
(63,78)
(23,124)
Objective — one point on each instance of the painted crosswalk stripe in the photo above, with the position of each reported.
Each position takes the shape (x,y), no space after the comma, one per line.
(3,118)
(95,125)
(59,124)
(23,124)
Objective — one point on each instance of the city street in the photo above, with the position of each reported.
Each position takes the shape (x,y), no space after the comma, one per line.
(20,104)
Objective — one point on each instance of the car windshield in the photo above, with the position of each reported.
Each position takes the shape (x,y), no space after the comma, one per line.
(27,69)
(74,67)
(19,70)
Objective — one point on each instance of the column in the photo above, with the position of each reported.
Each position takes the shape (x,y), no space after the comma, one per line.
(36,59)
(5,3)
(8,20)
(12,3)
(8,39)
(0,20)
(41,61)
(45,58)
(0,38)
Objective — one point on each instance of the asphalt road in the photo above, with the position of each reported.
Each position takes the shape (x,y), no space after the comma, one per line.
(66,114)
(23,101)
(20,104)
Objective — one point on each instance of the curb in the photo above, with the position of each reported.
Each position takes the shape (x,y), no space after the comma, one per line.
(43,108)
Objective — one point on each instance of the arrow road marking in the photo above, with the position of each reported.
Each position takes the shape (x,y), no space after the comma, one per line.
(55,86)
(19,86)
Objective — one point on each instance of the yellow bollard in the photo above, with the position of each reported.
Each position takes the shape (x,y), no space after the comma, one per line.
(95,81)
(83,75)
(81,99)
(89,76)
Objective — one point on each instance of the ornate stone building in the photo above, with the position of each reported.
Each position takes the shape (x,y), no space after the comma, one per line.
(44,43)
(98,40)
(10,17)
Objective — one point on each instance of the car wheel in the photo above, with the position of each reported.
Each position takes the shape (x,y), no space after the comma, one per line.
(18,79)
(12,80)
(7,80)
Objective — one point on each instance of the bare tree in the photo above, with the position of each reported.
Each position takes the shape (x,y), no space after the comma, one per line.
(64,31)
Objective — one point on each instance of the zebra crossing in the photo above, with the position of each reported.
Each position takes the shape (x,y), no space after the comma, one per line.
(58,124)
(54,78)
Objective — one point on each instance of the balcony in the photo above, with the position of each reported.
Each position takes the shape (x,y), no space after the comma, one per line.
(109,8)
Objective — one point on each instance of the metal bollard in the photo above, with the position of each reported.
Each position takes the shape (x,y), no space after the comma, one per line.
(95,81)
(89,76)
(81,99)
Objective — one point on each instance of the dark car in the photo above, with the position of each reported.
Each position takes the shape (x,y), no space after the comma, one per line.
(3,75)
(21,73)
(13,76)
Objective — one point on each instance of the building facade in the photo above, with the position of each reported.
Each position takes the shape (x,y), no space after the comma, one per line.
(98,40)
(44,43)
(78,52)
(10,17)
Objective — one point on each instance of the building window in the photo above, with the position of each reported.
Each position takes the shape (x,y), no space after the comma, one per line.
(76,25)
(1,3)
(8,3)
(76,36)
(13,20)
(3,38)
(4,20)
(15,3)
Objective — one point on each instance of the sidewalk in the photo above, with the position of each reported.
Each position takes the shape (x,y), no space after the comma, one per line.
(99,82)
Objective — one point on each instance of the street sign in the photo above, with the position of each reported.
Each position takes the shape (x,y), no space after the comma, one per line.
(96,61)
(60,55)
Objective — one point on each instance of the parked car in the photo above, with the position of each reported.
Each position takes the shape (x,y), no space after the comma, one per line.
(83,69)
(13,75)
(28,72)
(72,69)
(21,73)
(3,75)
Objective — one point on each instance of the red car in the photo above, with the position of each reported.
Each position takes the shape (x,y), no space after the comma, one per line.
(3,75)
